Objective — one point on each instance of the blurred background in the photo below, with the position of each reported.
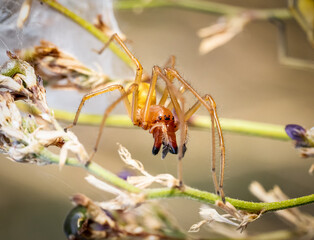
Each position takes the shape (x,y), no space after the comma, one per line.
(244,76)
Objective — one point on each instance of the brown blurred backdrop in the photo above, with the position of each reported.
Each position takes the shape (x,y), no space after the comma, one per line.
(247,82)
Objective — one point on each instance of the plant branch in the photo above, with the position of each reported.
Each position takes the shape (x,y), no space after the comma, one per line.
(243,127)
(188,192)
(198,122)
(92,168)
(91,29)
(204,6)
(207,197)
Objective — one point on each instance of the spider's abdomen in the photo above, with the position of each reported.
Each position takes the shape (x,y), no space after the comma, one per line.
(143,89)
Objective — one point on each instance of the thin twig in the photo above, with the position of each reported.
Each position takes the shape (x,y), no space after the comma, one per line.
(188,192)
(197,122)
(204,6)
(92,29)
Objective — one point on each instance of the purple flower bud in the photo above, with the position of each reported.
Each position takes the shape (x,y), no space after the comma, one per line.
(296,132)
(124,174)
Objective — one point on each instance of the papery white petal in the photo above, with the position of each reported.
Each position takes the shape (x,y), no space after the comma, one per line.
(72,144)
(222,32)
(167,180)
(29,75)
(216,41)
(197,226)
(208,31)
(64,153)
(10,84)
(104,186)
(110,205)
(126,157)
(211,214)
(46,137)
(141,181)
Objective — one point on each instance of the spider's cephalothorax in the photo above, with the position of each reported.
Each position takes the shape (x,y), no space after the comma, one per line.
(163,127)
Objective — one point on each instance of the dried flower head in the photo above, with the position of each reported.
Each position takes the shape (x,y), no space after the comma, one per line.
(19,78)
(222,32)
(60,69)
(123,200)
(232,216)
(90,220)
(304,140)
(147,179)
(23,137)
(302,137)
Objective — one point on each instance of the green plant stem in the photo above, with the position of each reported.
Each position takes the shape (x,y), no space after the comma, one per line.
(91,29)
(244,127)
(92,168)
(207,197)
(188,192)
(203,6)
(198,122)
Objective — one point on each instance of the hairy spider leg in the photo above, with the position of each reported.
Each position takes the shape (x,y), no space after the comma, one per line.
(174,95)
(96,93)
(156,71)
(108,110)
(133,87)
(211,107)
(164,97)
(165,94)
(132,111)
(171,62)
(138,76)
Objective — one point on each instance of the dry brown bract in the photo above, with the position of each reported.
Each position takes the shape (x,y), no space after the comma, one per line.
(60,69)
(222,32)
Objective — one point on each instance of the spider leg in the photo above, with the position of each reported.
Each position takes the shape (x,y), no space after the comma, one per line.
(109,109)
(211,107)
(187,116)
(174,96)
(163,99)
(171,62)
(138,76)
(182,90)
(96,93)
(149,97)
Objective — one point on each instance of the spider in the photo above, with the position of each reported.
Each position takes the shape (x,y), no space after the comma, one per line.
(158,118)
